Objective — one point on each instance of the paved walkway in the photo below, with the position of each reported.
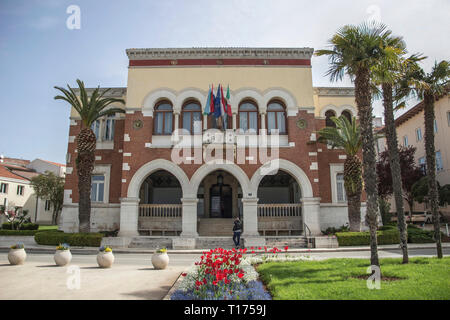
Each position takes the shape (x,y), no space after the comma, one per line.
(129,278)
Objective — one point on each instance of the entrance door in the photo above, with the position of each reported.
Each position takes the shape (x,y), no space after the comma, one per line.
(221,204)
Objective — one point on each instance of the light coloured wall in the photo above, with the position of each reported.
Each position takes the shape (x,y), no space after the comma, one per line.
(143,80)
(27,201)
(441,142)
(336,103)
(43,166)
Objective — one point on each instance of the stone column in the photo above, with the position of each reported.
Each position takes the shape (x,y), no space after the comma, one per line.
(234,121)
(176,126)
(129,213)
(205,122)
(189,217)
(311,215)
(263,120)
(250,223)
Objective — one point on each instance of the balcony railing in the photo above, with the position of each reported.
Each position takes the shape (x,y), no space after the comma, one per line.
(160,210)
(280,210)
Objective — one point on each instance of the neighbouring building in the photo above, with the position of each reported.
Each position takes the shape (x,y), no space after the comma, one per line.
(411,132)
(164,169)
(16,189)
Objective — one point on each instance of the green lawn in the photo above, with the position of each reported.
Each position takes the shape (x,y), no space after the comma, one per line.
(43,228)
(422,278)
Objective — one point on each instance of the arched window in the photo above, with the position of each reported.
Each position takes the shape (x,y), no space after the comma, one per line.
(248,117)
(347,114)
(328,121)
(276,117)
(192,117)
(163,119)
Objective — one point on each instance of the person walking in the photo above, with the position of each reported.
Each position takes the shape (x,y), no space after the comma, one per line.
(237,229)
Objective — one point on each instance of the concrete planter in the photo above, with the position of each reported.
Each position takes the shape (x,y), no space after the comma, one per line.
(62,257)
(17,256)
(160,260)
(105,259)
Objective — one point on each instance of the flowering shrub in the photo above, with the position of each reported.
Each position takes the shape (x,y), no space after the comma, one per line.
(18,245)
(63,246)
(162,250)
(224,275)
(105,249)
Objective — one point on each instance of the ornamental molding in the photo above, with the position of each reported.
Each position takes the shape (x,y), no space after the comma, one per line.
(218,53)
(116,92)
(335,91)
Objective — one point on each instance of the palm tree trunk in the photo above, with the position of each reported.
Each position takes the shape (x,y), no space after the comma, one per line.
(394,159)
(431,168)
(353,190)
(363,99)
(354,211)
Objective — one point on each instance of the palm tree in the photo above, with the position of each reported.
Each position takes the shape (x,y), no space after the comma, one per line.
(347,135)
(355,50)
(428,87)
(89,109)
(387,73)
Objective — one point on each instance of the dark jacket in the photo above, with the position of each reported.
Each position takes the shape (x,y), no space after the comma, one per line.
(237,226)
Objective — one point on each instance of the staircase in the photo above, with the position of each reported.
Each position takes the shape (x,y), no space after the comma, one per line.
(216,227)
(144,242)
(291,241)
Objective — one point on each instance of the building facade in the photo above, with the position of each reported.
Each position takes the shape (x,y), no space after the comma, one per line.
(16,189)
(165,168)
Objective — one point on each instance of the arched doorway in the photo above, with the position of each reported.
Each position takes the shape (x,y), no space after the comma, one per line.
(219,195)
(160,208)
(279,205)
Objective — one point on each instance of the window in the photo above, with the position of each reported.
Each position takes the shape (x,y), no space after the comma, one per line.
(405,141)
(439,164)
(341,196)
(109,128)
(435,126)
(98,187)
(3,188)
(419,134)
(248,117)
(422,165)
(48,205)
(328,115)
(276,118)
(96,128)
(20,190)
(347,114)
(192,118)
(163,119)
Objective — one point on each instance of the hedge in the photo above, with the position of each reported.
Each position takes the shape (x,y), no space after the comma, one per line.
(363,238)
(24,226)
(73,239)
(386,235)
(18,232)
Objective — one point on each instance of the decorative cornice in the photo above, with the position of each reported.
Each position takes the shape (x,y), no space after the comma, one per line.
(335,91)
(115,92)
(219,53)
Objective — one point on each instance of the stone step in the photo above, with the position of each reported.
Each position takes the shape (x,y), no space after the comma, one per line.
(216,227)
(291,242)
(151,242)
(214,242)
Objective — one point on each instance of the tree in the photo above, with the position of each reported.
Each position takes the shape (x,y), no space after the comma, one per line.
(347,135)
(355,50)
(420,191)
(428,87)
(410,174)
(49,186)
(386,74)
(89,109)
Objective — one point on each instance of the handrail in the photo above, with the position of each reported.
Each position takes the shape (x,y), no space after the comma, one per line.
(309,230)
(160,210)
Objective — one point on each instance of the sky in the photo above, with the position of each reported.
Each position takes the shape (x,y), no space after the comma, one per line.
(39,51)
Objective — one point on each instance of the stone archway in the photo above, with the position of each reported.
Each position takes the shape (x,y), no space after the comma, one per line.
(129,206)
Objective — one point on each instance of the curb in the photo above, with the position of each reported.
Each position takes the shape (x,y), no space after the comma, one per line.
(175,285)
(89,251)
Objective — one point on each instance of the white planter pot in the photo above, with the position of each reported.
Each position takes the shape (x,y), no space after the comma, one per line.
(17,256)
(160,260)
(105,259)
(62,257)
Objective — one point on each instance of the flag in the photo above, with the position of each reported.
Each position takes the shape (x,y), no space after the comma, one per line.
(228,99)
(207,110)
(224,108)
(217,101)
(212,101)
